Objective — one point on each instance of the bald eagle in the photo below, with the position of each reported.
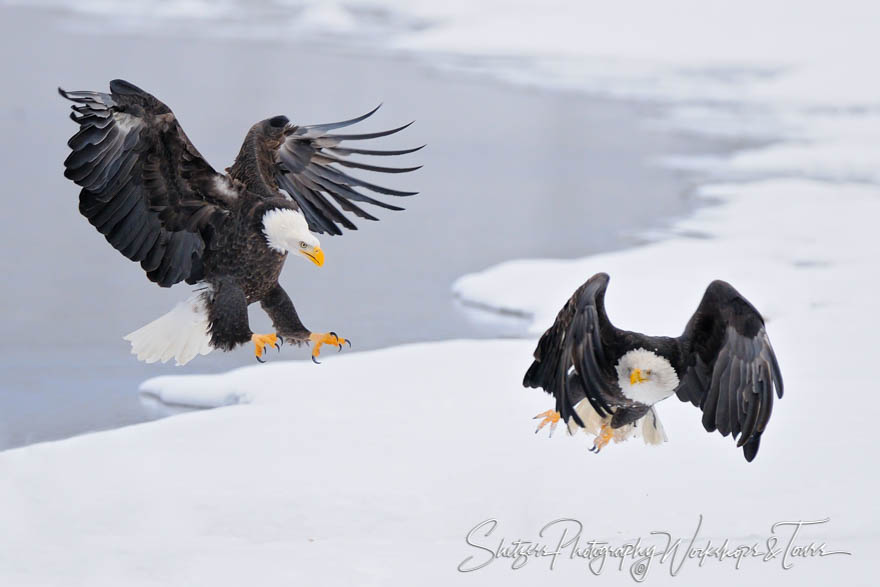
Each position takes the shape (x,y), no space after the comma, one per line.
(147,189)
(607,380)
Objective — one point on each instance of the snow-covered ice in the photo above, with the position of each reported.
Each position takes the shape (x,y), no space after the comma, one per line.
(798,249)
(321,479)
(317,477)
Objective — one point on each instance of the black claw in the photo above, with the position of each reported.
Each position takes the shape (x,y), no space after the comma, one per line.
(278,347)
(348,342)
(260,360)
(336,336)
(315,361)
(340,348)
(280,340)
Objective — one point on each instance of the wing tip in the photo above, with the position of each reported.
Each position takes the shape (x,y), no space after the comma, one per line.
(370,135)
(750,449)
(121,86)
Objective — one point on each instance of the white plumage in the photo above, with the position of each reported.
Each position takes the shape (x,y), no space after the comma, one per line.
(660,379)
(224,185)
(651,428)
(648,426)
(181,334)
(284,229)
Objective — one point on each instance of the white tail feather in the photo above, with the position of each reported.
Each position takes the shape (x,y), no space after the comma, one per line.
(648,426)
(181,334)
(591,419)
(652,429)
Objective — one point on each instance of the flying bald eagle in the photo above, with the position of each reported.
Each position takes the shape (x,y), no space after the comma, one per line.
(147,189)
(607,380)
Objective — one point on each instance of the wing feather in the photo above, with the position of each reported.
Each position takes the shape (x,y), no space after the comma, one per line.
(306,167)
(343,151)
(344,191)
(569,356)
(731,371)
(144,185)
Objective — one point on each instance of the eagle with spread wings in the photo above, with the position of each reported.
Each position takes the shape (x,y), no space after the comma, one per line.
(147,189)
(607,381)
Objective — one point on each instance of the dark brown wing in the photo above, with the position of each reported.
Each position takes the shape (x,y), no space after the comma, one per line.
(731,369)
(307,169)
(570,356)
(145,187)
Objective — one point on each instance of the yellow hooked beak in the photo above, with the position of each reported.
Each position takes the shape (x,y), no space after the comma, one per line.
(636,377)
(316,256)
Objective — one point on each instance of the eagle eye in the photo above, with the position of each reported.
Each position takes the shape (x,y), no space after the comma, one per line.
(302,245)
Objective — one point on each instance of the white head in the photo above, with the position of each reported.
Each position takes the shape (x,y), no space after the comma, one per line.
(287,231)
(646,377)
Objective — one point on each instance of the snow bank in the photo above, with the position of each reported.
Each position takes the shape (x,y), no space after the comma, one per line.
(798,73)
(796,248)
(215,391)
(323,479)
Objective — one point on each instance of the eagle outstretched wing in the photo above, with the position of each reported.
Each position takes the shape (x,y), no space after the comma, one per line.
(305,169)
(731,369)
(569,355)
(145,187)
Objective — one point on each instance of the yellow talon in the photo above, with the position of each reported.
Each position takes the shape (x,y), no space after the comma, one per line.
(320,339)
(261,341)
(549,417)
(606,433)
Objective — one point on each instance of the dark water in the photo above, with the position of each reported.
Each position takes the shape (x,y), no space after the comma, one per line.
(509,173)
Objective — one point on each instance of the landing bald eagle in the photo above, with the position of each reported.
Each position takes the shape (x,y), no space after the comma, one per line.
(147,189)
(607,380)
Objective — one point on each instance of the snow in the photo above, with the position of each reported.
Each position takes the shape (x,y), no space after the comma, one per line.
(214,391)
(796,248)
(799,74)
(793,66)
(308,475)
(319,479)
(788,223)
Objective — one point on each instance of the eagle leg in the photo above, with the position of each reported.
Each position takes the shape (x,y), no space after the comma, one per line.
(549,417)
(606,433)
(320,339)
(261,341)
